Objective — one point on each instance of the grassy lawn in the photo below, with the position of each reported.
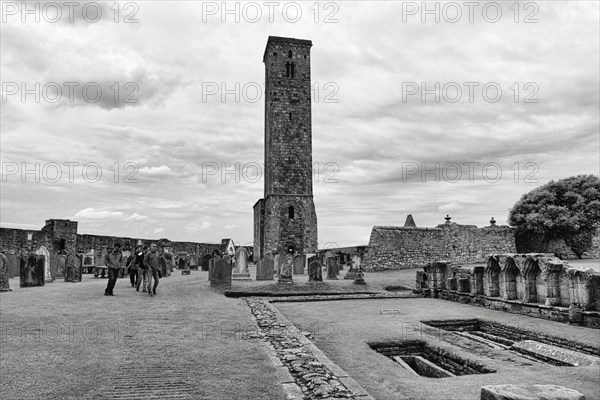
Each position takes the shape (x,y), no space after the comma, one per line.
(343,329)
(77,342)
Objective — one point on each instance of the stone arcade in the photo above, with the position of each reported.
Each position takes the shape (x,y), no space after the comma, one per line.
(285,221)
(537,285)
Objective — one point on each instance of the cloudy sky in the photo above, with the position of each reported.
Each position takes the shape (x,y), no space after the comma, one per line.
(411,115)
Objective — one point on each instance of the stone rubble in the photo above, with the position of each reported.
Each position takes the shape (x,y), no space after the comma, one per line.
(314,379)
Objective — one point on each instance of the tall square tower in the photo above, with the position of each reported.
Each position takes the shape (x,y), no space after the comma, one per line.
(285,221)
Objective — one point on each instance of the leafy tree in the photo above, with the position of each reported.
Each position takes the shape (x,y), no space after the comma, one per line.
(568,208)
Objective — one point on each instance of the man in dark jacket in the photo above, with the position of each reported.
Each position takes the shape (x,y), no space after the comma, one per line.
(113,261)
(153,263)
(142,268)
(132,267)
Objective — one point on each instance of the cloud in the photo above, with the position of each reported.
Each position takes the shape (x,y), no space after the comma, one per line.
(163,140)
(161,171)
(193,227)
(92,214)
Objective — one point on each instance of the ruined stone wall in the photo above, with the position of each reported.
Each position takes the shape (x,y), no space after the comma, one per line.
(392,247)
(14,239)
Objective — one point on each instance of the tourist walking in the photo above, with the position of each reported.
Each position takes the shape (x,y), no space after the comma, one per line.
(142,268)
(113,261)
(152,262)
(132,267)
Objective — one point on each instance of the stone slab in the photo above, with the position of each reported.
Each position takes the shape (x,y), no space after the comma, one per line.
(529,392)
(548,351)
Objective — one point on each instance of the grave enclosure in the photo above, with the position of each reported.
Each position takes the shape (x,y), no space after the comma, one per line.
(537,285)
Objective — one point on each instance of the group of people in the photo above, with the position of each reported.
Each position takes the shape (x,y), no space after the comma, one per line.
(143,266)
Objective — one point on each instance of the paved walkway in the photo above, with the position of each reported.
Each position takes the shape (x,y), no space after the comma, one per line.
(69,341)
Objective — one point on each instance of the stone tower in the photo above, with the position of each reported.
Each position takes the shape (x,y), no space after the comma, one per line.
(285,220)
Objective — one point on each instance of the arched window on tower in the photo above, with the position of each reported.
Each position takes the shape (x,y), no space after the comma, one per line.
(290,70)
(291,212)
(290,54)
(290,117)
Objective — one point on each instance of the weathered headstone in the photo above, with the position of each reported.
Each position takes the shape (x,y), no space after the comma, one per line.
(165,269)
(32,270)
(221,273)
(332,267)
(13,264)
(285,268)
(359,279)
(73,267)
(315,272)
(183,266)
(354,265)
(88,263)
(213,263)
(54,264)
(193,262)
(42,251)
(4,272)
(241,264)
(205,262)
(265,271)
(61,265)
(299,261)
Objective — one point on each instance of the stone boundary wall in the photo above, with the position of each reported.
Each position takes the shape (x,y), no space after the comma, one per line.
(393,247)
(14,239)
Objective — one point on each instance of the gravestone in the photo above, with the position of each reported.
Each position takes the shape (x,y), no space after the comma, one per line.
(241,264)
(285,268)
(221,273)
(54,264)
(183,266)
(204,264)
(359,279)
(13,264)
(32,270)
(212,264)
(299,261)
(332,268)
(193,262)
(354,265)
(265,270)
(163,267)
(42,251)
(4,272)
(88,262)
(315,271)
(61,265)
(73,267)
